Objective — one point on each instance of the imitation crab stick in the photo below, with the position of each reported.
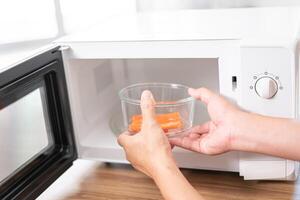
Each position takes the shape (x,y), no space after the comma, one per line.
(174,116)
(166,121)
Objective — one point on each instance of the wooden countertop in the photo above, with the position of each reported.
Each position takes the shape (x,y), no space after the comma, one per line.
(117,181)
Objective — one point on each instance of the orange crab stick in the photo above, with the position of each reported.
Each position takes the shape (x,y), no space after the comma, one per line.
(175,116)
(166,121)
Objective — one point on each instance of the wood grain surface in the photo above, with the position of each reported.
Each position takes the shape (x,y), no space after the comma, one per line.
(116,181)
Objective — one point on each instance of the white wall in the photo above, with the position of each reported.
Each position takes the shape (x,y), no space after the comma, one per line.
(149,5)
(34,20)
(42,19)
(27,20)
(81,14)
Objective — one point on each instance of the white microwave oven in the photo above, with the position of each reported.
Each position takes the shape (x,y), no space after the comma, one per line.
(62,103)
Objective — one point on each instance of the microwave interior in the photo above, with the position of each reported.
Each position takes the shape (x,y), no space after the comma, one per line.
(94,85)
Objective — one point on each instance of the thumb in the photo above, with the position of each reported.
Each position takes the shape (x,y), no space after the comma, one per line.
(202,94)
(147,107)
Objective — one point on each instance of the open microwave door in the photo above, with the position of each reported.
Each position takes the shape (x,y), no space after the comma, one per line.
(36,133)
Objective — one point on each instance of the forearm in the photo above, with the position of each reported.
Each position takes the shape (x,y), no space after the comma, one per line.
(268,135)
(173,185)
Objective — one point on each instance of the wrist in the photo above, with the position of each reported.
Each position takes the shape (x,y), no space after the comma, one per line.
(161,169)
(241,128)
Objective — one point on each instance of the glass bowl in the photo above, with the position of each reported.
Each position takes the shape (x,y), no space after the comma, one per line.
(174,107)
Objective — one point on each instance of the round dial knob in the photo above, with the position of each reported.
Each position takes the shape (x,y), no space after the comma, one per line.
(266,87)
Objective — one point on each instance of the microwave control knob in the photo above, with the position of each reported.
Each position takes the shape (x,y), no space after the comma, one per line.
(266,87)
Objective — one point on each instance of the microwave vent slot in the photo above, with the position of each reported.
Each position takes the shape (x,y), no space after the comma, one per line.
(234,82)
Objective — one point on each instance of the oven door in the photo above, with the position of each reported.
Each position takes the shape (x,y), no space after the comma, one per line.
(36,133)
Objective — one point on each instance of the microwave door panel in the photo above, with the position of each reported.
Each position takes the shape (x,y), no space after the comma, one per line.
(36,133)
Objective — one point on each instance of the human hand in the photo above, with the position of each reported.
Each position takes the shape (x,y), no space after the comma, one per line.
(149,149)
(215,136)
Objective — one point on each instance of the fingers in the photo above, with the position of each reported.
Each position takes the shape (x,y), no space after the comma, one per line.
(201,94)
(147,107)
(199,129)
(194,135)
(123,139)
(192,140)
(186,143)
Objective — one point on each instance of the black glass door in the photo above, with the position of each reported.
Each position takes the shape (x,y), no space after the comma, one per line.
(36,134)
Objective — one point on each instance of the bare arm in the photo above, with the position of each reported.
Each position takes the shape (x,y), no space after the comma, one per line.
(268,135)
(233,129)
(150,152)
(173,185)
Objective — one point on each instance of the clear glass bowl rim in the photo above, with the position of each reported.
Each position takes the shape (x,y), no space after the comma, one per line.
(171,85)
